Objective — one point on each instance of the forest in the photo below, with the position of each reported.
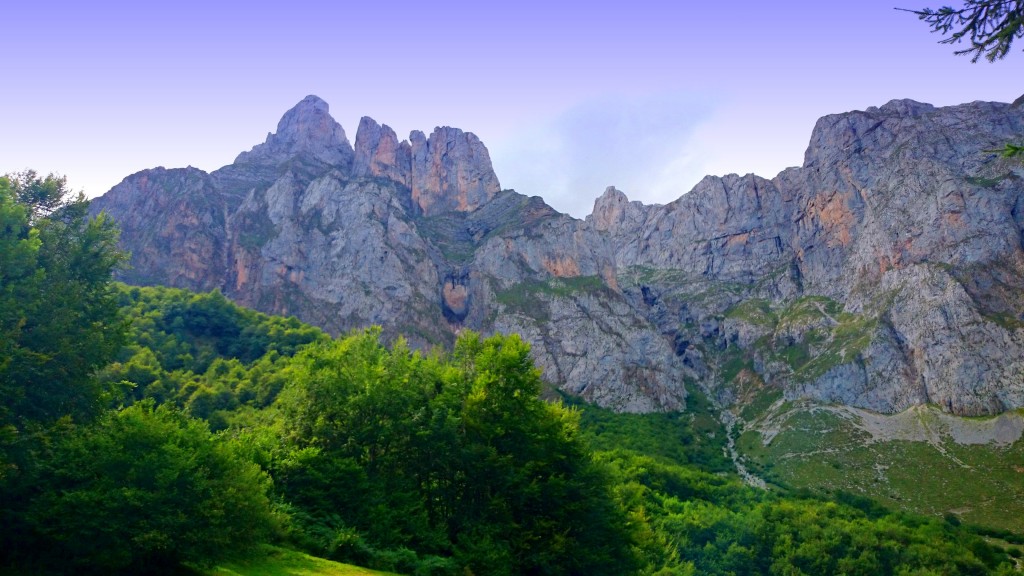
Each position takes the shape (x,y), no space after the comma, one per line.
(153,430)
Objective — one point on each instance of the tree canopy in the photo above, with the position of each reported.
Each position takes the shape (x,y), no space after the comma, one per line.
(455,457)
(147,488)
(59,321)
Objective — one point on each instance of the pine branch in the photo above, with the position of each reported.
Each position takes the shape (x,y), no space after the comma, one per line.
(990,26)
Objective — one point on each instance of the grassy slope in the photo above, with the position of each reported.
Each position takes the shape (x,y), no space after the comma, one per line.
(821,450)
(281,562)
(694,437)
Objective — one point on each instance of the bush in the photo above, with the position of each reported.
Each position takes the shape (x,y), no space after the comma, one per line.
(145,489)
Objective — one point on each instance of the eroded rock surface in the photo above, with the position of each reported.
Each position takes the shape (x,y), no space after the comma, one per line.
(886,272)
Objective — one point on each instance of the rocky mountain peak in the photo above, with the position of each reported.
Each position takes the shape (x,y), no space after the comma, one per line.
(307,130)
(613,209)
(451,170)
(379,154)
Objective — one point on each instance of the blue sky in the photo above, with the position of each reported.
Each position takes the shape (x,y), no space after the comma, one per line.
(568,97)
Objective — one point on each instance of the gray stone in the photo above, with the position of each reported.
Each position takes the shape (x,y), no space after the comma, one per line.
(886,272)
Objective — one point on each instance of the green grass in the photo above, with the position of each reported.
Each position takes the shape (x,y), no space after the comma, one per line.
(526,296)
(755,311)
(807,309)
(281,562)
(733,362)
(820,450)
(829,337)
(759,404)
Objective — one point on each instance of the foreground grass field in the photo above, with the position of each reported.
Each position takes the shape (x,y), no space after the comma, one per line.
(281,562)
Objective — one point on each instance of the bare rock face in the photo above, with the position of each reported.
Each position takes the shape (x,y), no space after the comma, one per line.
(170,216)
(614,212)
(307,131)
(378,154)
(886,272)
(451,170)
(900,237)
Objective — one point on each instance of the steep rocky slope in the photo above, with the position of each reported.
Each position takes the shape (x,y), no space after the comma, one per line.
(886,272)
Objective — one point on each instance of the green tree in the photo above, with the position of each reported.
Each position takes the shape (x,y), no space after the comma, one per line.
(455,457)
(59,325)
(59,320)
(146,489)
(20,278)
(990,26)
(532,486)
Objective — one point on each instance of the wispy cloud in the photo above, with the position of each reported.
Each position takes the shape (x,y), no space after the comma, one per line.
(641,145)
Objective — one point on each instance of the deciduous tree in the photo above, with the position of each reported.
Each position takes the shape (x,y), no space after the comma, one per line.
(146,489)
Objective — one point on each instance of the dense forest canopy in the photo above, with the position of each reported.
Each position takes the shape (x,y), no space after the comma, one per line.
(149,428)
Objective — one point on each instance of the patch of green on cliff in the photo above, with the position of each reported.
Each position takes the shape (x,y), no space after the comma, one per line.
(642,275)
(694,436)
(1006,320)
(840,345)
(808,309)
(811,335)
(448,233)
(732,362)
(458,234)
(526,296)
(755,311)
(987,182)
(680,283)
(256,230)
(759,402)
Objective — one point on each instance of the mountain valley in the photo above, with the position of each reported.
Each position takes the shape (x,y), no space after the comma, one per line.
(882,281)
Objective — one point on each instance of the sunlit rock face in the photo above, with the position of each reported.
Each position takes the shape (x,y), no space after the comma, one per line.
(885,272)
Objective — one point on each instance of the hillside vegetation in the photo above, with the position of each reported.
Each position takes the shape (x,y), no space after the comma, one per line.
(174,429)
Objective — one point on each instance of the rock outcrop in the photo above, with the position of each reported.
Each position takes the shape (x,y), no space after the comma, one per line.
(451,170)
(308,132)
(379,154)
(886,272)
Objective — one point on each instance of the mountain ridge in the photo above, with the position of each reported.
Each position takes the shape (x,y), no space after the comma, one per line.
(885,272)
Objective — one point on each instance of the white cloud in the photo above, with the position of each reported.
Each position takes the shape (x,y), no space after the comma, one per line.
(641,145)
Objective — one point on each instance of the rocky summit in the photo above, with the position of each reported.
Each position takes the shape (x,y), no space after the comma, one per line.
(886,272)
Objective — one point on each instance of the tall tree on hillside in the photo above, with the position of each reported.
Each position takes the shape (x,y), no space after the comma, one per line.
(58,325)
(456,457)
(58,318)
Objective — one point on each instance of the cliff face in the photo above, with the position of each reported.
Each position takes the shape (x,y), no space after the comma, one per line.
(899,220)
(885,272)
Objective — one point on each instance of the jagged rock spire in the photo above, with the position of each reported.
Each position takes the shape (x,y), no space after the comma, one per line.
(450,170)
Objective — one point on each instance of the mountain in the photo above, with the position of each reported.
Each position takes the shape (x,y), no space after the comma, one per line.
(886,272)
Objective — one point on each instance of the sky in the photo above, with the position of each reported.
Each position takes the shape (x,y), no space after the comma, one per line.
(568,97)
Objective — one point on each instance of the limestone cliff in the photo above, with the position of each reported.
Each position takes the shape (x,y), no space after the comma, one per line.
(885,272)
